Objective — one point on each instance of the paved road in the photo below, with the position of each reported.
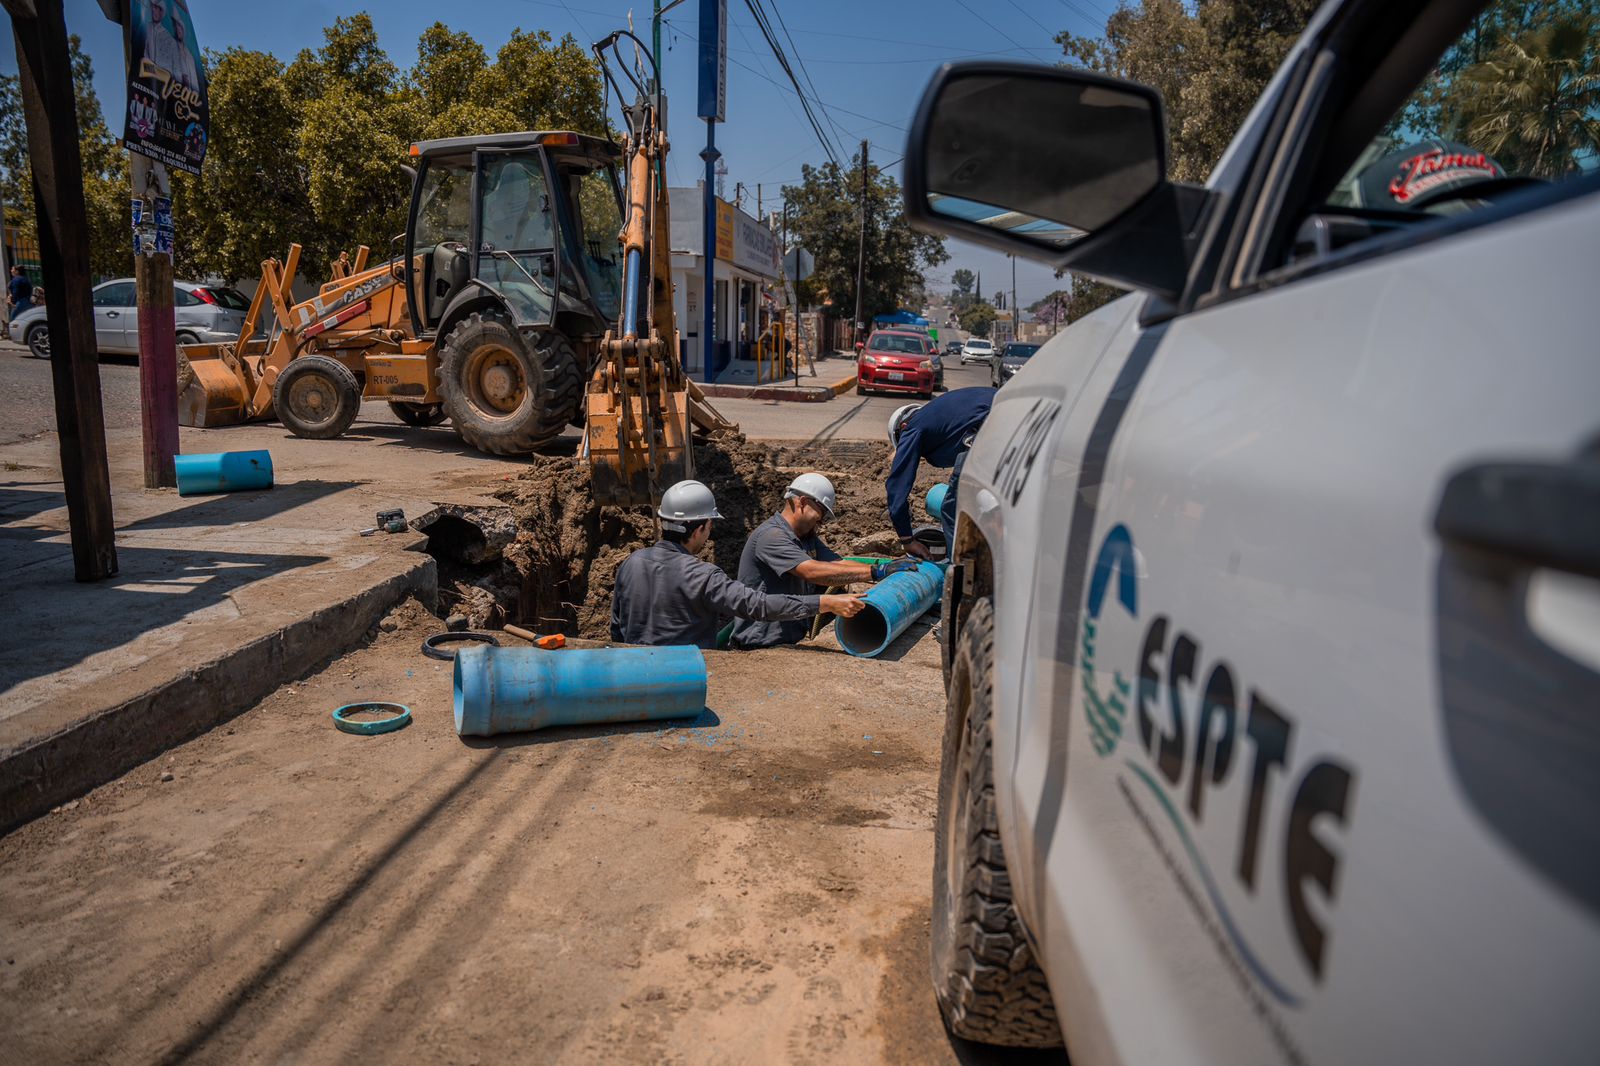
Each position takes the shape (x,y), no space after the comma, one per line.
(30,411)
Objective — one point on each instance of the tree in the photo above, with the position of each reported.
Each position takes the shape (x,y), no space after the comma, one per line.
(1210,65)
(1089,295)
(962,280)
(978,318)
(826,220)
(1523,85)
(105,170)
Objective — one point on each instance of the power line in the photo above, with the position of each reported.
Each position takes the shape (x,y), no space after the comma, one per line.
(783,62)
(975,14)
(798,58)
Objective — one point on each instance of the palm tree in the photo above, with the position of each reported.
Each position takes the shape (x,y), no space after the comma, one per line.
(1534,104)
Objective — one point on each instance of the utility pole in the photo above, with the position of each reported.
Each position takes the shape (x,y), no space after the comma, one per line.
(712,107)
(1016,308)
(158,348)
(759,213)
(44,70)
(861,250)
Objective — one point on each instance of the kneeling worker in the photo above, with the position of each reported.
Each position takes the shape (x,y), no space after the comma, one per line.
(665,595)
(785,556)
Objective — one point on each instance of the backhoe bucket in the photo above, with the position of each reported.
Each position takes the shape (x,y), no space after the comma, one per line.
(621,474)
(211,391)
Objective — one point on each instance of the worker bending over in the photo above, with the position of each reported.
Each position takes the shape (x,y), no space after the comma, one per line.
(785,556)
(940,432)
(666,595)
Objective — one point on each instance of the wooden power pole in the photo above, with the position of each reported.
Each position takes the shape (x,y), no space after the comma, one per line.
(861,248)
(158,348)
(44,68)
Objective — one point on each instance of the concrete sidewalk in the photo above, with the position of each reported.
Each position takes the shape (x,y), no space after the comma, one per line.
(219,599)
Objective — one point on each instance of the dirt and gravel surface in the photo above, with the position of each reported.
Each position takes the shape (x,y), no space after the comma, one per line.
(750,886)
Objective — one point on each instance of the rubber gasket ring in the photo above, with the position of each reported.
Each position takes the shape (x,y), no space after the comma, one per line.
(431,649)
(376,726)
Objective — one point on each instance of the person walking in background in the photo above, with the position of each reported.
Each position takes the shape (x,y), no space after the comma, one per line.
(19,292)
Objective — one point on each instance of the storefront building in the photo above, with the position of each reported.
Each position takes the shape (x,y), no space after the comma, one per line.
(748,280)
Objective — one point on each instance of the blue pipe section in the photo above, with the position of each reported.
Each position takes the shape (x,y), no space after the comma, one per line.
(512,690)
(892,605)
(223,472)
(631,286)
(936,497)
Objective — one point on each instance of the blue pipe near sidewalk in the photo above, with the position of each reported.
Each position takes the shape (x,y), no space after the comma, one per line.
(892,605)
(512,690)
(223,472)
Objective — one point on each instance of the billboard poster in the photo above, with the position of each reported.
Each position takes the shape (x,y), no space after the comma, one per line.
(168,118)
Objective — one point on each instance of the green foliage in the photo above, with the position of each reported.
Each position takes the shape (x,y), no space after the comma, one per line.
(826,220)
(962,280)
(978,318)
(1522,85)
(310,152)
(1088,295)
(105,171)
(1210,64)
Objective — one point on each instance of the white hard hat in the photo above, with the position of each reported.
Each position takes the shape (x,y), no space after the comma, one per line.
(816,487)
(685,504)
(897,421)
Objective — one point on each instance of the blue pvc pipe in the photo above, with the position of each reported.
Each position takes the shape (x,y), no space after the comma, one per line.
(892,605)
(936,497)
(511,690)
(223,472)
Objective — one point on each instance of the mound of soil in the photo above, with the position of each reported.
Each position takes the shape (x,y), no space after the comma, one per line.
(564,558)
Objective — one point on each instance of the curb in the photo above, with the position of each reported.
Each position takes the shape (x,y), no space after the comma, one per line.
(804,394)
(40,773)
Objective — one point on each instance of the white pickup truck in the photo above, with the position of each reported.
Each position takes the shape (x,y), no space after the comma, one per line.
(1273,620)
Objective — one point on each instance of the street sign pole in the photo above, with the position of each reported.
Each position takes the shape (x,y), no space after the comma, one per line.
(158,351)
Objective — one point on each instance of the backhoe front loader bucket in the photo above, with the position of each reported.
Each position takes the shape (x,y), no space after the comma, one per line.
(636,454)
(213,387)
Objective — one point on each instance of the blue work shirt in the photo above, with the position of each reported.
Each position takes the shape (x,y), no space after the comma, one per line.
(940,432)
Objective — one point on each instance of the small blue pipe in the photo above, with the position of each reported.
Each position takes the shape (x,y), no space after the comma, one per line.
(892,605)
(936,497)
(223,472)
(511,690)
(630,287)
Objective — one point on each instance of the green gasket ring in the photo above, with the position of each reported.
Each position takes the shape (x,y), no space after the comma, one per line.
(372,728)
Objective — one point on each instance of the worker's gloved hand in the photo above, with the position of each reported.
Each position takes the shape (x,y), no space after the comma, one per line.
(893,566)
(915,548)
(843,606)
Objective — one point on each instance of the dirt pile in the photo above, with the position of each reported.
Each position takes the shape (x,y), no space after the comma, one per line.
(564,559)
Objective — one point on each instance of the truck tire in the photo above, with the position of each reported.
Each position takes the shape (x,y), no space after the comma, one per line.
(317,397)
(988,983)
(503,395)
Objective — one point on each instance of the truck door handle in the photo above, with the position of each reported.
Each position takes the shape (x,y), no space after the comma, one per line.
(1536,515)
(112,314)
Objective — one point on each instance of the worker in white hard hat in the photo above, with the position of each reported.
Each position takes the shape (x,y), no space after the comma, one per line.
(939,432)
(785,555)
(666,595)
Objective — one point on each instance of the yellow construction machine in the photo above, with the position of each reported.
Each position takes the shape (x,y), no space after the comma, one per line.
(527,271)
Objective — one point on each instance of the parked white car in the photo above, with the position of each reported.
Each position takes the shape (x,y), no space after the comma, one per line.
(203,314)
(977,350)
(1273,620)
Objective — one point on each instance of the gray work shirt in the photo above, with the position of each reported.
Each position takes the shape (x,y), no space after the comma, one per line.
(768,565)
(664,596)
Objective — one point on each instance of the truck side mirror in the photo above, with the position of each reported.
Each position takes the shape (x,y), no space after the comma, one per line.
(1053,164)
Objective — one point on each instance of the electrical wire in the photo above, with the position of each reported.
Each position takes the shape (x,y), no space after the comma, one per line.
(783,63)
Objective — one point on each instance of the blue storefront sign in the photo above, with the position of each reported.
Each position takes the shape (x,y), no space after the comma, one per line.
(713,59)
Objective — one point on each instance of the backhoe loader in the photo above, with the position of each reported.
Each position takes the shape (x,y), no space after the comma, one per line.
(527,272)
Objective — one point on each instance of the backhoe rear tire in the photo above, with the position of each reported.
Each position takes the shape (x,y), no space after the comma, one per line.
(988,983)
(507,394)
(317,397)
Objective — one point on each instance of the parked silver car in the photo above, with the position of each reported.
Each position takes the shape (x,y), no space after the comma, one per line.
(204,314)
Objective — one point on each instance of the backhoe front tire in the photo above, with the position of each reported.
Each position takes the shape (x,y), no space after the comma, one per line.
(507,394)
(988,983)
(317,397)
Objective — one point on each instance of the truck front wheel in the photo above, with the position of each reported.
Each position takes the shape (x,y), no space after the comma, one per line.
(505,393)
(988,983)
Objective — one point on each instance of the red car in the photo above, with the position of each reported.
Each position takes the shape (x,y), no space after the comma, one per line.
(896,361)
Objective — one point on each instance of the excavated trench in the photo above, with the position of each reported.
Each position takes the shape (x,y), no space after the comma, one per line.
(547,560)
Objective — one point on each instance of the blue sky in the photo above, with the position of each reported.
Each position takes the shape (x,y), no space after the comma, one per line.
(867,59)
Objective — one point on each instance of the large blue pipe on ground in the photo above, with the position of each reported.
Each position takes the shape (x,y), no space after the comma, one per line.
(512,690)
(222,472)
(892,605)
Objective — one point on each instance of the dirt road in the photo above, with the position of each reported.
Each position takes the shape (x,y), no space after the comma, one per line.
(752,887)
